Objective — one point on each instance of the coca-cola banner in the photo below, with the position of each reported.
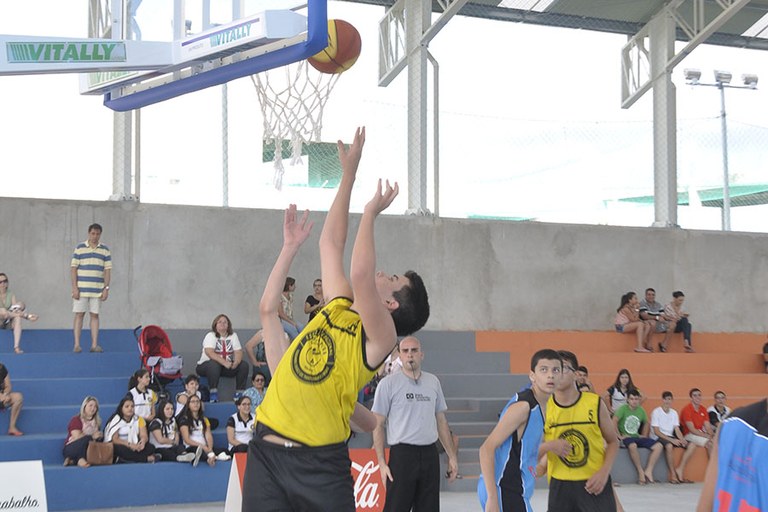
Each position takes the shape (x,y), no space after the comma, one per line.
(369,491)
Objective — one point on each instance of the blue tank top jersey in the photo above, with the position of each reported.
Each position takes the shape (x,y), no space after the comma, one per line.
(515,460)
(742,471)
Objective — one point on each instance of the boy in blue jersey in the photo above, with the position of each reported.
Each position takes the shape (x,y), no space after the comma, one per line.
(737,474)
(508,457)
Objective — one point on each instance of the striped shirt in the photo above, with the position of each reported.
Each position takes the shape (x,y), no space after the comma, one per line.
(91,264)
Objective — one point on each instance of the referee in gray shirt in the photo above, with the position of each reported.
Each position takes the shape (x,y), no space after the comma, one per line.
(411,404)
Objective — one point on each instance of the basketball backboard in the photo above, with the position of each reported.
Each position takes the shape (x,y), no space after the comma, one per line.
(165,48)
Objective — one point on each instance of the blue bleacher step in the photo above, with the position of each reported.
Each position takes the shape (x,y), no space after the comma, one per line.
(70,391)
(47,447)
(58,365)
(62,340)
(135,485)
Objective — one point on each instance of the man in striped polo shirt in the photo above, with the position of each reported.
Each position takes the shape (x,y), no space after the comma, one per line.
(91,270)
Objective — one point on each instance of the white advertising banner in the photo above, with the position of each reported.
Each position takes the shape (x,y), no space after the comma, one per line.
(23,486)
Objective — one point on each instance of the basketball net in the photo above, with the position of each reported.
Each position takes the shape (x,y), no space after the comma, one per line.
(292,99)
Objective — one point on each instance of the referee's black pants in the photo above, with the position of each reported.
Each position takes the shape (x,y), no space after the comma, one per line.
(415,479)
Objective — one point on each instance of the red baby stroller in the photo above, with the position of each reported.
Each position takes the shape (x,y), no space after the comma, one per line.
(156,354)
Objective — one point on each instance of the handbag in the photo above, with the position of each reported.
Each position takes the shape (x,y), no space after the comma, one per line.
(100,454)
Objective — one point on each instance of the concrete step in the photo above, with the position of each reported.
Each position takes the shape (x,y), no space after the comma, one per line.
(70,391)
(487,409)
(48,365)
(474,384)
(710,363)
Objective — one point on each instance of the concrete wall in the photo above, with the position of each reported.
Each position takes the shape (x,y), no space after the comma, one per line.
(179,266)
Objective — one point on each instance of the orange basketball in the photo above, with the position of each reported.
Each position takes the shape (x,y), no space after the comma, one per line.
(343,48)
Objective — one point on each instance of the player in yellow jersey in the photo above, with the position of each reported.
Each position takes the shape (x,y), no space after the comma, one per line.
(582,444)
(298,459)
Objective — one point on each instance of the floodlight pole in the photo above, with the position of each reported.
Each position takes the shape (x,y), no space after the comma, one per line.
(750,82)
(726,222)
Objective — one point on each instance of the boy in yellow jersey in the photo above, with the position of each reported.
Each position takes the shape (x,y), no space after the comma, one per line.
(582,444)
(298,459)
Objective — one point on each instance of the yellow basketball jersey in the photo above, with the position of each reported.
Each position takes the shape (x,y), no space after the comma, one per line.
(578,424)
(314,389)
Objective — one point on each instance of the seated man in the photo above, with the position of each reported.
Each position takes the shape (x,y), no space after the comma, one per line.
(191,388)
(696,428)
(665,425)
(582,379)
(12,311)
(633,426)
(653,311)
(719,411)
(10,399)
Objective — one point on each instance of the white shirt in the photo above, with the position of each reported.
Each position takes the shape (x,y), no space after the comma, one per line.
(225,347)
(665,421)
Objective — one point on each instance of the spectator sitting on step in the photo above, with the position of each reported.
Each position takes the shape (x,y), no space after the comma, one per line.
(254,349)
(128,433)
(677,321)
(316,301)
(82,429)
(256,392)
(144,399)
(10,399)
(191,388)
(665,426)
(633,426)
(291,327)
(696,428)
(196,432)
(719,411)
(164,435)
(12,311)
(765,356)
(582,379)
(222,356)
(240,426)
(653,312)
(628,320)
(616,395)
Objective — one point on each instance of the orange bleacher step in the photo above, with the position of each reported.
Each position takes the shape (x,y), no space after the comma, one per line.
(527,342)
(653,384)
(657,363)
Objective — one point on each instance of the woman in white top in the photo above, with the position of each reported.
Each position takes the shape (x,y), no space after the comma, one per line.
(164,435)
(222,357)
(240,427)
(144,399)
(616,395)
(128,433)
(196,432)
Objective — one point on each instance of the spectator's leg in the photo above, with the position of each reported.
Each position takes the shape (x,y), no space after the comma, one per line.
(212,371)
(16,323)
(680,470)
(76,451)
(290,330)
(653,458)
(634,456)
(17,400)
(667,334)
(684,326)
(241,378)
(669,450)
(94,329)
(78,329)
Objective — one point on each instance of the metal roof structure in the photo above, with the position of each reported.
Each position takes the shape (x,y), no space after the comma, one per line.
(747,29)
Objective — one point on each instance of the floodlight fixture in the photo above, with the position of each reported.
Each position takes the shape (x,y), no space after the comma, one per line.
(750,80)
(723,77)
(692,76)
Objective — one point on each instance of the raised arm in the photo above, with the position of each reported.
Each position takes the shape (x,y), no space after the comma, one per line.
(334,235)
(375,314)
(295,233)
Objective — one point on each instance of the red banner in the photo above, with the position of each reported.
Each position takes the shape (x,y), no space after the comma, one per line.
(369,490)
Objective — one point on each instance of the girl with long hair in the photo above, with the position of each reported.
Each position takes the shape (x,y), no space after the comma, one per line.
(81,430)
(128,433)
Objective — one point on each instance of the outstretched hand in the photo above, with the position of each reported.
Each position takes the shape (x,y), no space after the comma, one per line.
(350,158)
(296,231)
(382,200)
